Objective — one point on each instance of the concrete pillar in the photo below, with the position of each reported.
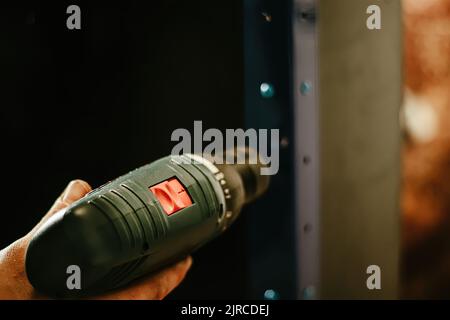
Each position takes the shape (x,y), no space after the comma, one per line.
(360,95)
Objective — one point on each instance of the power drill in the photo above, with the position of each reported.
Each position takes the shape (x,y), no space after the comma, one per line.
(140,222)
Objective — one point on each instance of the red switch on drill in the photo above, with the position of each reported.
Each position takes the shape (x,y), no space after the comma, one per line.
(171,195)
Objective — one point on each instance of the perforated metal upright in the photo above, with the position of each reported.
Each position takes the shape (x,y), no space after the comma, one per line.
(280,92)
(332,210)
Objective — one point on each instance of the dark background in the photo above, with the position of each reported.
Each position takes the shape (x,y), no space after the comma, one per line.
(97,102)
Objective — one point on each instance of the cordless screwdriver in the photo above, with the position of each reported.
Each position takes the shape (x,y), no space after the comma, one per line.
(140,222)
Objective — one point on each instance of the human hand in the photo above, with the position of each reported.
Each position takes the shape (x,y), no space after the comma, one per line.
(14,283)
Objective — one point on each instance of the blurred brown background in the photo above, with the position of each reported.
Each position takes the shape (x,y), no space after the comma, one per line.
(426,152)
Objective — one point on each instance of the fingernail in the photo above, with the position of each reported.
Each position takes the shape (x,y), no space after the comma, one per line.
(71,187)
(189,261)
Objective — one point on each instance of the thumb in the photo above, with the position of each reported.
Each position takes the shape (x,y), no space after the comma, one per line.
(75,190)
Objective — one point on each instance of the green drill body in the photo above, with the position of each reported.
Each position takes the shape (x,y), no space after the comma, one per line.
(122,230)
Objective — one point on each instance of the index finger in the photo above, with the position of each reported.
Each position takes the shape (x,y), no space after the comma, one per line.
(153,287)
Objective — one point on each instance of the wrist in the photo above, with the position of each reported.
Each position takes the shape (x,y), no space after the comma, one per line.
(14,283)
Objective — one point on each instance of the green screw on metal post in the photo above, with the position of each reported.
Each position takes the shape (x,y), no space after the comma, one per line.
(267,90)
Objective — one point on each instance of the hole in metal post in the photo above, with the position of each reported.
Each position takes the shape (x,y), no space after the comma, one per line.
(307,228)
(306,160)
